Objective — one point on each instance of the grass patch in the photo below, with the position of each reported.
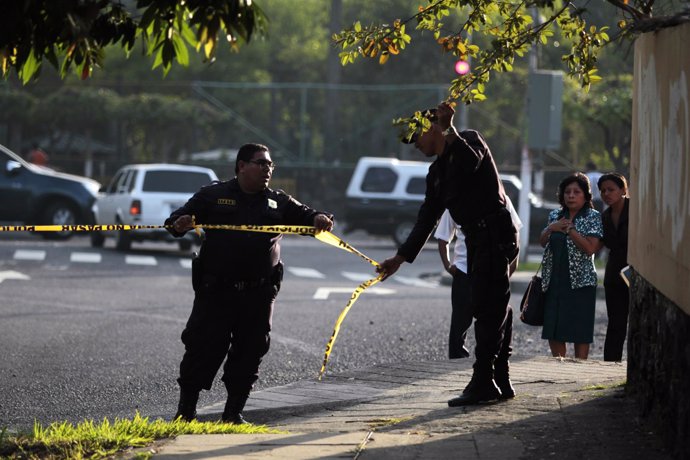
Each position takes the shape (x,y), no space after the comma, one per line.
(605,387)
(88,439)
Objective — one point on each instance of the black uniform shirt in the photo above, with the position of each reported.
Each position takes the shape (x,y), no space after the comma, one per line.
(616,239)
(241,255)
(464,179)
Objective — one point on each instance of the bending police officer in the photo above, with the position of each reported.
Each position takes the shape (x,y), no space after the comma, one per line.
(461,317)
(464,179)
(236,279)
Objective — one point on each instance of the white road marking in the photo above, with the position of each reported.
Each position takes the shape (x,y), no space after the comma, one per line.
(12,275)
(186,263)
(414,282)
(85,257)
(358,276)
(322,293)
(28,254)
(306,272)
(141,260)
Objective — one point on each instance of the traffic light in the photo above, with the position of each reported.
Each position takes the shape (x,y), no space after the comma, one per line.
(462,67)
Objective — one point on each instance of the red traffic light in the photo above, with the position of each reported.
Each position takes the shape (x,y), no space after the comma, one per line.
(462,67)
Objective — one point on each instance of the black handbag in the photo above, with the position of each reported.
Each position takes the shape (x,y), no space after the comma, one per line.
(532,303)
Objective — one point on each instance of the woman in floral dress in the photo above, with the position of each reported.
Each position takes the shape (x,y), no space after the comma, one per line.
(570,240)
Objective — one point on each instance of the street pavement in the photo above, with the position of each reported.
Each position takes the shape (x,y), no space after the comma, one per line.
(564,409)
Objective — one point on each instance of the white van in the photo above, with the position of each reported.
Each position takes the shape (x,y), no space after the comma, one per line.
(384,195)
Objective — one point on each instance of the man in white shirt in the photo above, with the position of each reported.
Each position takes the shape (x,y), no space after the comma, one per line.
(461,316)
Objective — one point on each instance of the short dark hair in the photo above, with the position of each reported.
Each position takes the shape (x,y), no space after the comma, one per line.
(246,152)
(618,179)
(582,181)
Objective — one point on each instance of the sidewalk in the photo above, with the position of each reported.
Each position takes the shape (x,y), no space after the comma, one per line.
(565,409)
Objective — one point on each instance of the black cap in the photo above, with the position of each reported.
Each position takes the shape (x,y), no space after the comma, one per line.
(429,114)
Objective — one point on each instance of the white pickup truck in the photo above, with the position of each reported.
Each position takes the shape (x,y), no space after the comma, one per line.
(384,196)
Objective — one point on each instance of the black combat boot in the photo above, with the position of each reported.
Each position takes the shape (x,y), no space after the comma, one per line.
(501,366)
(502,379)
(186,408)
(234,406)
(481,388)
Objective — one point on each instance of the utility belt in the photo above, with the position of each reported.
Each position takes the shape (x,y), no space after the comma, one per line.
(220,282)
(224,283)
(483,224)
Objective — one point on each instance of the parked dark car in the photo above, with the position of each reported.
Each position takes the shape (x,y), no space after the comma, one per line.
(36,195)
(384,195)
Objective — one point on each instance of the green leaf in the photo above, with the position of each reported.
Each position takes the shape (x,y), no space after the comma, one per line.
(29,68)
(358,27)
(180,50)
(188,34)
(158,59)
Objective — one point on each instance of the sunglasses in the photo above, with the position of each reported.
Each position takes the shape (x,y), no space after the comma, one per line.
(263,163)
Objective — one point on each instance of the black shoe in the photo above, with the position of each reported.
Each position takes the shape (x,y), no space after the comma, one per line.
(479,393)
(502,379)
(457,354)
(186,408)
(235,419)
(507,390)
(234,406)
(482,387)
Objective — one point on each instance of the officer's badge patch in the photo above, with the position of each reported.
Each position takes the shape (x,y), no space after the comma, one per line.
(227,201)
(272,204)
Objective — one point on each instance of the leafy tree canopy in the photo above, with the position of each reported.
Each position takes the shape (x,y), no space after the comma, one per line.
(492,35)
(73,34)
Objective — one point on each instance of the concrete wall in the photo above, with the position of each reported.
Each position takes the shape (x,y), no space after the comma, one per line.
(659,363)
(659,245)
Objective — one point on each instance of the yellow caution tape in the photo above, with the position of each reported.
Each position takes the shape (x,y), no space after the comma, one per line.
(76,228)
(323,236)
(329,238)
(294,229)
(353,298)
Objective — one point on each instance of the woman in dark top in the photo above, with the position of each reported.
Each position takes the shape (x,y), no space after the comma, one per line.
(614,192)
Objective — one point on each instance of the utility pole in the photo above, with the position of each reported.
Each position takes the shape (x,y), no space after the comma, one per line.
(334,77)
(526,163)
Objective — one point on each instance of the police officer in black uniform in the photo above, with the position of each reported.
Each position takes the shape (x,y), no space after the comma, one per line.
(464,179)
(236,279)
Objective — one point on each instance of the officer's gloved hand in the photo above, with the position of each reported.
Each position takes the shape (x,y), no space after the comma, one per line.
(183,223)
(323,222)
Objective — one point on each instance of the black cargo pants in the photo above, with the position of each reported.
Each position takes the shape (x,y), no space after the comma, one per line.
(491,246)
(228,323)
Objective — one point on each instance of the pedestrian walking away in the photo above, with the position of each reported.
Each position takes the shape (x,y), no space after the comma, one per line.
(614,192)
(236,278)
(464,179)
